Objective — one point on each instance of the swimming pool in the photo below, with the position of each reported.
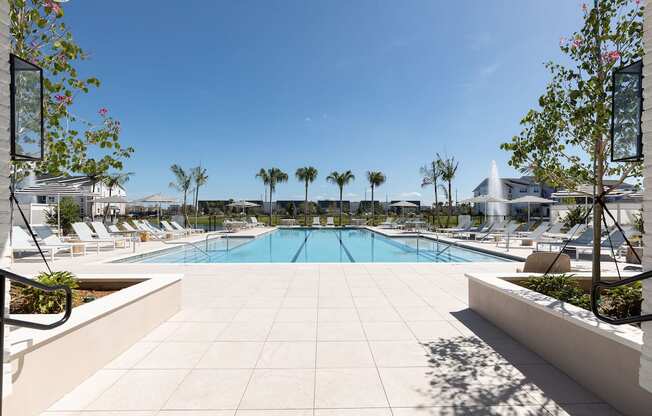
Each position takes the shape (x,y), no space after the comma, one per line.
(319,246)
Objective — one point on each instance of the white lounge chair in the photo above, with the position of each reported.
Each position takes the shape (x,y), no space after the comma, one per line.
(255,223)
(148,228)
(388,224)
(330,222)
(178,227)
(174,231)
(23,242)
(316,222)
(85,235)
(104,234)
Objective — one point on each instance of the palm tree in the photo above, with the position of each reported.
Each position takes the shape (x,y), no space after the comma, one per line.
(200,178)
(375,178)
(271,177)
(114,180)
(182,183)
(430,175)
(448,168)
(341,180)
(306,175)
(95,172)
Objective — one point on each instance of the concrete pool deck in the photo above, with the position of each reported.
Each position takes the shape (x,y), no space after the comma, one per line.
(324,339)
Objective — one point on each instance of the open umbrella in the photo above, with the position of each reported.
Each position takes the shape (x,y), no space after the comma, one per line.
(403,205)
(242,204)
(157,199)
(484,199)
(530,199)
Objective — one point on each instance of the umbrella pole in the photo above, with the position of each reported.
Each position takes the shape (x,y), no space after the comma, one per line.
(528,216)
(59,214)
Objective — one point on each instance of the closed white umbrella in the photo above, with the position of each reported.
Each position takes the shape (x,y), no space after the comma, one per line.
(530,199)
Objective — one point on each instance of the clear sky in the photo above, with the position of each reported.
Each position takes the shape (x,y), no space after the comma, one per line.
(336,84)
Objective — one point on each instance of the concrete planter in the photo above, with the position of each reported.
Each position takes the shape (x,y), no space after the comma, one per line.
(603,358)
(95,334)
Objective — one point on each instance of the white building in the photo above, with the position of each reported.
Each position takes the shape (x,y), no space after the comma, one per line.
(89,191)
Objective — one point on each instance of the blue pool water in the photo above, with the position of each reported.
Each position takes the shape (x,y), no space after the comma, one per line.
(320,246)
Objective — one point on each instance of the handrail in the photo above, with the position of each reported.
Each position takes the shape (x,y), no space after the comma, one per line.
(29,282)
(595,291)
(151,232)
(208,234)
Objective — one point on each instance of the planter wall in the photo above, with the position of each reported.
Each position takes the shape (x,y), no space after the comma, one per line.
(601,357)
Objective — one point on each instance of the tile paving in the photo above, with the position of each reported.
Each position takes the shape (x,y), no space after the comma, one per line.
(327,340)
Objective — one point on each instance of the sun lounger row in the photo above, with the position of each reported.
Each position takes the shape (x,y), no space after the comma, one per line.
(96,237)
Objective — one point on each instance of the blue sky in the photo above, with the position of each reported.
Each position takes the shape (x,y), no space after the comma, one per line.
(363,85)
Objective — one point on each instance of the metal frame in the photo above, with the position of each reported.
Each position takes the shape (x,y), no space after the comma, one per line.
(12,88)
(627,69)
(7,275)
(595,292)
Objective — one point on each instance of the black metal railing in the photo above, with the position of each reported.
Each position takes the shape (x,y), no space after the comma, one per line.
(7,275)
(596,287)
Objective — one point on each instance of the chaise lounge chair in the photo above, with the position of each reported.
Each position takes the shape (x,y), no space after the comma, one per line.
(104,234)
(330,222)
(85,235)
(22,242)
(316,222)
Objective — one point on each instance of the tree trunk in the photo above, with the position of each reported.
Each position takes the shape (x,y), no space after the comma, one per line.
(184,209)
(271,208)
(373,211)
(597,219)
(196,204)
(437,205)
(305,207)
(341,189)
(106,208)
(450,204)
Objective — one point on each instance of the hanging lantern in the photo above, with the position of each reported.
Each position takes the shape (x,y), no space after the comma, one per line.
(26,110)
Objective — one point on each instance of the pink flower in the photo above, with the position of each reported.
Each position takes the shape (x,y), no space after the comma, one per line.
(613,55)
(638,2)
(577,42)
(584,7)
(562,41)
(103,112)
(54,6)
(63,99)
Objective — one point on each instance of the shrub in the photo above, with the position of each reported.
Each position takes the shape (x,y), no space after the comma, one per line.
(27,299)
(562,287)
(620,302)
(575,216)
(623,301)
(69,211)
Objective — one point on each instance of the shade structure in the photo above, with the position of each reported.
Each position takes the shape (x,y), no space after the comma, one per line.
(157,199)
(114,199)
(484,199)
(530,199)
(242,204)
(404,204)
(58,190)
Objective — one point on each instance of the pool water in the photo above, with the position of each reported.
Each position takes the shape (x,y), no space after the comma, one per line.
(321,246)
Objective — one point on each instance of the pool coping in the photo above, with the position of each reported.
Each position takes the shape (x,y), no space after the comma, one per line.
(133,258)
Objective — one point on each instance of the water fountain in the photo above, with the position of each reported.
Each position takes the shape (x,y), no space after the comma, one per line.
(495,210)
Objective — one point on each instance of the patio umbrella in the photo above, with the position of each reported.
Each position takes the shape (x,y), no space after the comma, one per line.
(242,204)
(530,199)
(58,190)
(484,199)
(403,205)
(157,199)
